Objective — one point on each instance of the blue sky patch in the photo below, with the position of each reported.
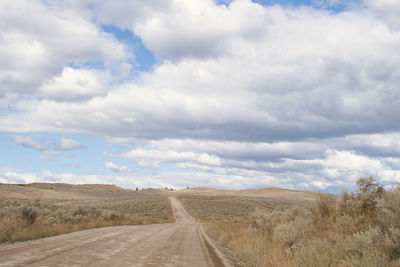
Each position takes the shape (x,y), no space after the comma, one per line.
(337,7)
(144,58)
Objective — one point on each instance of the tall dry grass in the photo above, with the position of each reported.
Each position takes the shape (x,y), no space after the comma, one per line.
(360,228)
(25,219)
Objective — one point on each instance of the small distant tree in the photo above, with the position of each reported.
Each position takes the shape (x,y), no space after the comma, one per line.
(137,188)
(370,185)
(369,192)
(365,200)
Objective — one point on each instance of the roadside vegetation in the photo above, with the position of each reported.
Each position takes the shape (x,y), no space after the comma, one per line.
(359,228)
(56,213)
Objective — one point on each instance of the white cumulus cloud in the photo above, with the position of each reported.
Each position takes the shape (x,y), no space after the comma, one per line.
(26,141)
(247,94)
(69,144)
(117,168)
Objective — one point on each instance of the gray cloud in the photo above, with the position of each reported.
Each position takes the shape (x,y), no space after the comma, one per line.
(245,150)
(28,142)
(39,39)
(117,168)
(172,156)
(199,29)
(152,165)
(386,10)
(65,144)
(336,88)
(249,95)
(69,144)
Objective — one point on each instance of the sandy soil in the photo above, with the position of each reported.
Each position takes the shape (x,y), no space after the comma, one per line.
(182,243)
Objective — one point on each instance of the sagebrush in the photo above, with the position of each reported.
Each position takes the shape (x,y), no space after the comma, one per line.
(359,228)
(24,219)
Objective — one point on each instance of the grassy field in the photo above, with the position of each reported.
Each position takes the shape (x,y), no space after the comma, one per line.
(355,229)
(229,215)
(228,208)
(40,210)
(264,227)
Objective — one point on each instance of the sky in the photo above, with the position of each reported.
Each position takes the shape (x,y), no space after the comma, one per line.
(172,93)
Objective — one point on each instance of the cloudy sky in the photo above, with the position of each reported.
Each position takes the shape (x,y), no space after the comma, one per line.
(301,94)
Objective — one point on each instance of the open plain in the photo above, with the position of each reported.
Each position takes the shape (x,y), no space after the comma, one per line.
(280,227)
(182,243)
(30,211)
(41,210)
(198,227)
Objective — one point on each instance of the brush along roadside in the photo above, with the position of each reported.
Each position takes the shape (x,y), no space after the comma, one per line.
(359,228)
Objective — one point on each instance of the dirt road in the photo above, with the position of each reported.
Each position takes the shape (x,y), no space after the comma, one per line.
(174,244)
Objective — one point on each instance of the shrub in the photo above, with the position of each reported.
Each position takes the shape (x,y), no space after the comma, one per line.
(369,185)
(290,233)
(29,215)
(364,201)
(25,219)
(326,206)
(360,228)
(80,211)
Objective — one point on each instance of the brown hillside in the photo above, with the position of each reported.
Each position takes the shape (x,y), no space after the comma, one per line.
(59,191)
(268,192)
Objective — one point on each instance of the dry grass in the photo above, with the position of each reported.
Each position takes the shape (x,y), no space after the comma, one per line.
(41,210)
(358,229)
(228,208)
(228,218)
(279,194)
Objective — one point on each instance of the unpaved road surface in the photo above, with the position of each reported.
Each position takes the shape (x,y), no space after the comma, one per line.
(172,244)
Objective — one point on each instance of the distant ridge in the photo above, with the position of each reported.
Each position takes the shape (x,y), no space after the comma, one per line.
(59,190)
(271,192)
(93,191)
